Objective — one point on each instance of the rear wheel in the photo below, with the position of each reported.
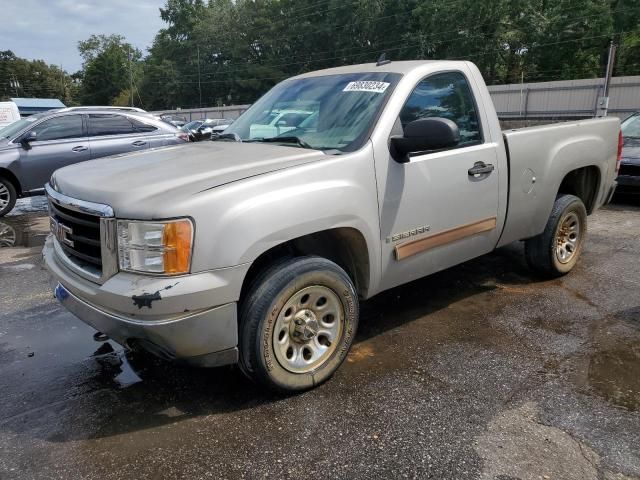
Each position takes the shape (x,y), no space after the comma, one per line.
(8,196)
(556,250)
(297,323)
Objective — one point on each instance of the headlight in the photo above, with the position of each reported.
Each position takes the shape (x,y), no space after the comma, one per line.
(155,247)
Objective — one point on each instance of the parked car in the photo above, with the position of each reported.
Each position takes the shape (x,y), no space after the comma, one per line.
(32,148)
(629,175)
(276,122)
(221,127)
(175,120)
(8,113)
(259,250)
(191,128)
(203,129)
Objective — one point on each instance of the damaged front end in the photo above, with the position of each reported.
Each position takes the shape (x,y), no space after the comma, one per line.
(131,280)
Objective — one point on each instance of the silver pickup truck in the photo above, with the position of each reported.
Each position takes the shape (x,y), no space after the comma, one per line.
(257,250)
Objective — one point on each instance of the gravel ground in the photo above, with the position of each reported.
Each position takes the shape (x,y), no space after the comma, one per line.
(481,371)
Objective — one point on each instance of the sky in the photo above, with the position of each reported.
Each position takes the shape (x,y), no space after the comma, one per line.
(50,30)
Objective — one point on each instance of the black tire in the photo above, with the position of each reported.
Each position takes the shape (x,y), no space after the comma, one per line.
(7,189)
(263,308)
(541,251)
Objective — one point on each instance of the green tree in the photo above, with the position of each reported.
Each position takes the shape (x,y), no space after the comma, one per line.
(232,51)
(108,65)
(33,78)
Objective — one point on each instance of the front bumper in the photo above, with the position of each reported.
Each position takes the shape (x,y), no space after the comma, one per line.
(192,318)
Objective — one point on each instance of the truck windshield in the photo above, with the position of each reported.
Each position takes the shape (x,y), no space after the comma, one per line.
(332,112)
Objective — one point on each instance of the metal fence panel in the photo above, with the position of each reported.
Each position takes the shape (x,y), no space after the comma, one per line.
(565,99)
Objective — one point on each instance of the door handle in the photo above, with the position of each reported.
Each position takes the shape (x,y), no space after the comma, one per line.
(139,143)
(480,168)
(80,148)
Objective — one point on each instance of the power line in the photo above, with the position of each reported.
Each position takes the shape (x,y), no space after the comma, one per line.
(402,44)
(463,57)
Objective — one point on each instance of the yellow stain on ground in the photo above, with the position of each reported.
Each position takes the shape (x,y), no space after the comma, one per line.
(360,352)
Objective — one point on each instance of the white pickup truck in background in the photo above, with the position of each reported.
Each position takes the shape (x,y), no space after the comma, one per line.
(258,249)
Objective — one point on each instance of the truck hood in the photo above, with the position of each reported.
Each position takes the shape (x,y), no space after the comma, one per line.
(143,183)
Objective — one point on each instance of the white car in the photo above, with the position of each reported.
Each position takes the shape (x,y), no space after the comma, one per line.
(276,123)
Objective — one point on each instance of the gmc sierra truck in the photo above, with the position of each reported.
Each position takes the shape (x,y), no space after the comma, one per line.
(257,250)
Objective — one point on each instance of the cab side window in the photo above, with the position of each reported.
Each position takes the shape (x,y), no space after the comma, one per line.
(109,124)
(142,127)
(445,95)
(59,128)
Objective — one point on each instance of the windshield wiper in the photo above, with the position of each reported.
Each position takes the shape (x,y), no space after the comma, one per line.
(287,139)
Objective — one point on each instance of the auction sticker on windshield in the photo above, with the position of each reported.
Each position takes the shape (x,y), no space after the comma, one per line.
(366,86)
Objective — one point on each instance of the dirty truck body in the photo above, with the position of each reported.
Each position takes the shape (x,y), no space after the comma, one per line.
(263,249)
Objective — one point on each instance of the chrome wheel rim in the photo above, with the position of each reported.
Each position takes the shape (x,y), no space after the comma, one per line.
(4,196)
(308,329)
(568,238)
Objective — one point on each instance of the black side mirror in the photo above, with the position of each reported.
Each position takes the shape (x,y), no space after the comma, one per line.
(424,134)
(27,138)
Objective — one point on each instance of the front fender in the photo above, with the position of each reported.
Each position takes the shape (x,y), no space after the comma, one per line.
(10,160)
(249,217)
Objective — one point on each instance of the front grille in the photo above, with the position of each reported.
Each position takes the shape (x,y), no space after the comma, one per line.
(631,170)
(79,236)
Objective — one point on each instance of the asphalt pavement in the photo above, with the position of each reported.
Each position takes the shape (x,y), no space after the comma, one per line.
(483,371)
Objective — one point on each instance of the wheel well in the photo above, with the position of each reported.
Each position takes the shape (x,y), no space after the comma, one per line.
(8,174)
(344,246)
(583,183)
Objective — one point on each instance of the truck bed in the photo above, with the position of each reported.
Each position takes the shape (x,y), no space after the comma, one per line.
(541,157)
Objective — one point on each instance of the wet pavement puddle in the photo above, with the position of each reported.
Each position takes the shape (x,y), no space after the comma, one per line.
(116,365)
(611,368)
(23,231)
(615,375)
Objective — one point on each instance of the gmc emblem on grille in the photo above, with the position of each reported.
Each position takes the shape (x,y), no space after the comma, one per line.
(61,232)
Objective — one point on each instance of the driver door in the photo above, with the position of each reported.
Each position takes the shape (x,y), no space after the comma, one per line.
(435,213)
(60,141)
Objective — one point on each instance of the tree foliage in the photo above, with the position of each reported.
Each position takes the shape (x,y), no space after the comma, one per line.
(34,78)
(242,47)
(215,52)
(108,67)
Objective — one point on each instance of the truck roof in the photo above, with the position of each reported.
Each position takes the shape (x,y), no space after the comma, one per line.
(402,67)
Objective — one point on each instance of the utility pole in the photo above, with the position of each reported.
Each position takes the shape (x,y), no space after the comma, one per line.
(130,77)
(521,90)
(603,102)
(15,84)
(199,86)
(62,81)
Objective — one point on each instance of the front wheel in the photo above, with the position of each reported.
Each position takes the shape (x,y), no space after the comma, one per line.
(297,323)
(556,250)
(8,196)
